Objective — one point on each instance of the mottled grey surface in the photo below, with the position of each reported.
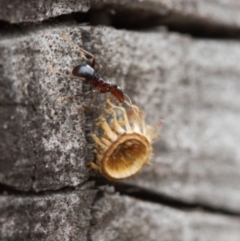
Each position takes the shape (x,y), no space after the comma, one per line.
(215,11)
(225,13)
(191,84)
(124,219)
(42,138)
(59,216)
(16,11)
(194,87)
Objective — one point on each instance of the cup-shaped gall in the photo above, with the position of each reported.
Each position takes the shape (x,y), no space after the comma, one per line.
(126,144)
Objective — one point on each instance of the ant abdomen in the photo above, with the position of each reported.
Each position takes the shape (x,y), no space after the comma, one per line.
(84,71)
(118,93)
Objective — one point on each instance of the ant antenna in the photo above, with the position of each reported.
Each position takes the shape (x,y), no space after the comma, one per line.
(83,52)
(52,69)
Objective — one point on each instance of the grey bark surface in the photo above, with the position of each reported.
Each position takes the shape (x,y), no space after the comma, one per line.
(223,13)
(173,11)
(59,216)
(123,218)
(45,130)
(16,11)
(31,108)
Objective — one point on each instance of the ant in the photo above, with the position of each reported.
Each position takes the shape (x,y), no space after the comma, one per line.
(88,73)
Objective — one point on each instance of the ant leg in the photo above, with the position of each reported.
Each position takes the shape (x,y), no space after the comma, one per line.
(50,68)
(90,104)
(61,99)
(91,107)
(94,98)
(85,54)
(99,68)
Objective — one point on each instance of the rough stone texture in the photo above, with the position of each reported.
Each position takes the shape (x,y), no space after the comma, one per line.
(222,13)
(194,87)
(218,11)
(42,139)
(59,216)
(16,11)
(191,84)
(124,219)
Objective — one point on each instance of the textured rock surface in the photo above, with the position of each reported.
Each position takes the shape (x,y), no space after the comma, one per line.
(16,11)
(45,144)
(123,218)
(217,11)
(202,13)
(59,216)
(189,83)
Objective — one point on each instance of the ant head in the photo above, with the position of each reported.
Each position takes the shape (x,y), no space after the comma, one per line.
(83,71)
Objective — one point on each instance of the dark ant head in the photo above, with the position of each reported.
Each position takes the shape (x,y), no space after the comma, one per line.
(118,93)
(84,71)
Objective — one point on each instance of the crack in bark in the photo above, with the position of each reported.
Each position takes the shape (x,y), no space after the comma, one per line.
(160,198)
(6,190)
(133,19)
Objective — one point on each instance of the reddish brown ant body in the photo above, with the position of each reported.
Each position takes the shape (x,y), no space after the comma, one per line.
(88,73)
